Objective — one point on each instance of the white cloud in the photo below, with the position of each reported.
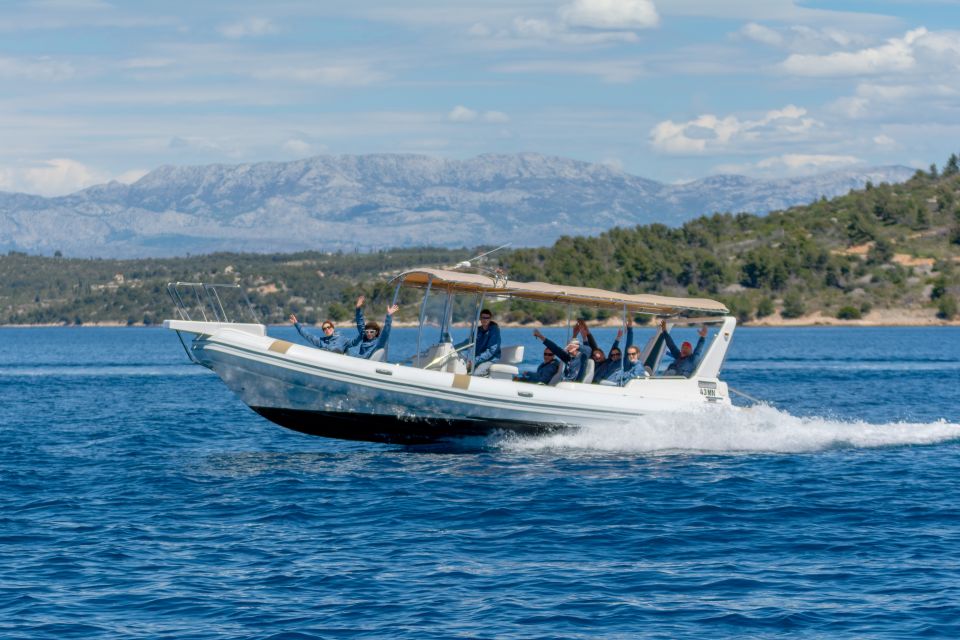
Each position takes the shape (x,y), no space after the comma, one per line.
(43,68)
(801,38)
(583,23)
(610,14)
(495,117)
(147,63)
(884,140)
(529,31)
(58,176)
(297,147)
(761,34)
(709,133)
(611,71)
(898,100)
(791,164)
(131,176)
(247,28)
(461,113)
(896,55)
(345,74)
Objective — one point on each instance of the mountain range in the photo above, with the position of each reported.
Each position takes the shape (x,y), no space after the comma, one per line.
(386,200)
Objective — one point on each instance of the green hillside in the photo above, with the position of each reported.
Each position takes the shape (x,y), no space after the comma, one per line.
(886,247)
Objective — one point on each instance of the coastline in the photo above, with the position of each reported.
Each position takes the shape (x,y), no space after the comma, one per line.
(876,318)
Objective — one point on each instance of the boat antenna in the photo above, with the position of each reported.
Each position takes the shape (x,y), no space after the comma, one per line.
(466,264)
(499,277)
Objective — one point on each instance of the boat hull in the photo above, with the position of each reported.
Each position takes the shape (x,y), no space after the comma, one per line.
(336,396)
(391,429)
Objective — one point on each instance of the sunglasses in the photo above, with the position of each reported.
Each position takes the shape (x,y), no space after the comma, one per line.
(369,330)
(327,326)
(548,355)
(486,317)
(631,354)
(614,354)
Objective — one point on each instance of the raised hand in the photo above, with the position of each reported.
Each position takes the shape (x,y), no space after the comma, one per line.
(619,333)
(703,331)
(360,301)
(293,319)
(538,335)
(392,309)
(663,326)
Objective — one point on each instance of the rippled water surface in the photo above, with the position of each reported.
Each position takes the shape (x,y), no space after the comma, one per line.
(140,499)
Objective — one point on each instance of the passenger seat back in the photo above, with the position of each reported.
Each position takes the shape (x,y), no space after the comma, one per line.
(588,370)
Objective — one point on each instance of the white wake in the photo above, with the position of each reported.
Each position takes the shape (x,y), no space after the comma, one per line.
(759,428)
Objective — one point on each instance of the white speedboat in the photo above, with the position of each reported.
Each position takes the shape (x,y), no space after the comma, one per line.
(431,397)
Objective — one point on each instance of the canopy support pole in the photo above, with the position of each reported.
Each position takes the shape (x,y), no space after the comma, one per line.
(476,323)
(396,296)
(423,313)
(623,351)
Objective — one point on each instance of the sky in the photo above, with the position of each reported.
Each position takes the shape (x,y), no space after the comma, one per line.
(673,90)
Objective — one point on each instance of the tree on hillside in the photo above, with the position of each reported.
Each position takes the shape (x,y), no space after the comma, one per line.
(793,305)
(952,167)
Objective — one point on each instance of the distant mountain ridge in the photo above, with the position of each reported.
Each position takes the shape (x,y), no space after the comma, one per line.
(382,201)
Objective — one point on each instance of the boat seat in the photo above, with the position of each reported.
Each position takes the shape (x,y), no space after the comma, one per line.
(558,376)
(505,367)
(504,371)
(511,355)
(443,357)
(377,356)
(588,371)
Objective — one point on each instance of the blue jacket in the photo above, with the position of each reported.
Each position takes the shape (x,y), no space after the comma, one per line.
(544,373)
(682,366)
(335,342)
(488,344)
(605,368)
(368,347)
(630,371)
(576,366)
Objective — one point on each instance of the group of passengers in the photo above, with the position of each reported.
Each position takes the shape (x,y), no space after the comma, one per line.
(571,359)
(370,337)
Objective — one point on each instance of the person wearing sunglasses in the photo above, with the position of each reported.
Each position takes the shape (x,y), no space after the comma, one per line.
(371,337)
(632,368)
(574,359)
(486,349)
(331,340)
(604,365)
(545,371)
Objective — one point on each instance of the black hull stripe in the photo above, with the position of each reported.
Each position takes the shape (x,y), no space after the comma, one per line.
(395,430)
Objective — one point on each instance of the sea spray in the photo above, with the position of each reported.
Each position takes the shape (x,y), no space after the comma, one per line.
(760,428)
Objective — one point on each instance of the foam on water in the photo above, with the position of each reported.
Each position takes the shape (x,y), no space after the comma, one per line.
(760,428)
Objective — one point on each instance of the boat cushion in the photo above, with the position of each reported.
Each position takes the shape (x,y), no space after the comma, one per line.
(511,355)
(503,371)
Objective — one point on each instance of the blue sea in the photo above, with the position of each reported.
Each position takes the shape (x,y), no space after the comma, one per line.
(140,499)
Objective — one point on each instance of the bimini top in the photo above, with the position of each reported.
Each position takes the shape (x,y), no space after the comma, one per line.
(459,282)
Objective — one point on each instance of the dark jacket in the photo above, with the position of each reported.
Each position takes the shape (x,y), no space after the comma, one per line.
(576,366)
(606,368)
(369,347)
(335,342)
(682,366)
(488,344)
(544,373)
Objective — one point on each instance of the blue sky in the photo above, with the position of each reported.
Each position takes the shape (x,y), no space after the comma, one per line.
(95,90)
